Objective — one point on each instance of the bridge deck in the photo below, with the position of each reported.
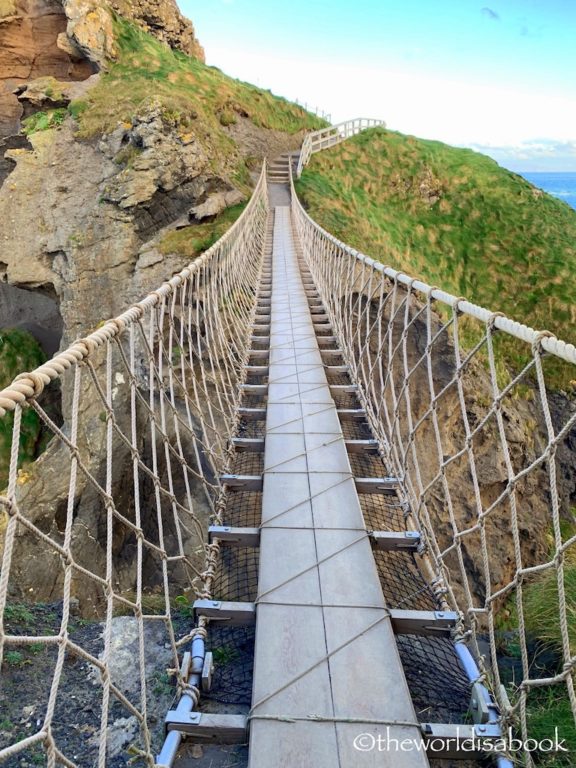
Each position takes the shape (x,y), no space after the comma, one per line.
(325,652)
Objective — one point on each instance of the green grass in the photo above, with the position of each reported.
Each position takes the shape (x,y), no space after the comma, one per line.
(547,707)
(44,121)
(194,97)
(18,352)
(456,219)
(192,241)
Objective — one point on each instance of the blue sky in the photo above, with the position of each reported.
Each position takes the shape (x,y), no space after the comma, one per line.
(499,77)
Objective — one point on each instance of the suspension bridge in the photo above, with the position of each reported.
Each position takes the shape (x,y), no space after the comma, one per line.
(298,391)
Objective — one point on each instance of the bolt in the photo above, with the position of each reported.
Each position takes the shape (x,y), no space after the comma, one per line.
(482,729)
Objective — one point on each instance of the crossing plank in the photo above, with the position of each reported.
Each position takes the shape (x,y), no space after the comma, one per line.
(325,650)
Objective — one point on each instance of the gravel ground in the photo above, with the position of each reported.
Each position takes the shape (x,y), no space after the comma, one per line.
(28,671)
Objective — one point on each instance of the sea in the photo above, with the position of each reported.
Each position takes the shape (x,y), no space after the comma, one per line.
(561,185)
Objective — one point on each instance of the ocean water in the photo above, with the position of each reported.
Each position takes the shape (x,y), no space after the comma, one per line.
(561,185)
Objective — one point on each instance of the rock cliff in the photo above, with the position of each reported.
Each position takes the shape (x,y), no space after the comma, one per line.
(70,39)
(85,205)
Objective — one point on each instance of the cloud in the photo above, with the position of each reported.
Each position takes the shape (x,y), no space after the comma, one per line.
(490,14)
(536,155)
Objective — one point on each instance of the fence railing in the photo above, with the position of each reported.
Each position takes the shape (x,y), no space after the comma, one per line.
(482,448)
(334,134)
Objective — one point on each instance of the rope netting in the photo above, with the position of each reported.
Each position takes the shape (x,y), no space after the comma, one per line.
(104,537)
(468,410)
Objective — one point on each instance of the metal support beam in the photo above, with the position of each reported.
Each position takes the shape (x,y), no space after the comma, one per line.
(238,537)
(423,622)
(207,727)
(362,446)
(351,414)
(242,482)
(252,414)
(347,388)
(248,444)
(386,485)
(394,541)
(254,389)
(230,613)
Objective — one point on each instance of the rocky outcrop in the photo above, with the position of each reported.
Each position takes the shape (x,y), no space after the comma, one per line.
(90,26)
(30,31)
(162,18)
(70,39)
(80,223)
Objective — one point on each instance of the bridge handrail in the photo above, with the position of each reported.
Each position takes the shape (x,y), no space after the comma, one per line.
(439,409)
(333,134)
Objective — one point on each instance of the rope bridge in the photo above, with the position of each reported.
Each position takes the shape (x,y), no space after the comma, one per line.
(160,414)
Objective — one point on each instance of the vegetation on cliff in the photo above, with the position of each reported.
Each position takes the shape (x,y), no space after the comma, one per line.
(454,218)
(19,351)
(197,97)
(192,241)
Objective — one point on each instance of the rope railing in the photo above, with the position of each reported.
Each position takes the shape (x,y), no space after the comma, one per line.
(478,444)
(334,134)
(109,524)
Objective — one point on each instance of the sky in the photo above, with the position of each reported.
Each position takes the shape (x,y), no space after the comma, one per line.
(500,78)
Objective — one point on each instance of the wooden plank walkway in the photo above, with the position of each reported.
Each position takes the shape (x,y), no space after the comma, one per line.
(325,650)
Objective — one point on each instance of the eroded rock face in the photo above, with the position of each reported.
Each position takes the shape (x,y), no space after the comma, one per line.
(80,220)
(70,39)
(29,48)
(162,18)
(90,26)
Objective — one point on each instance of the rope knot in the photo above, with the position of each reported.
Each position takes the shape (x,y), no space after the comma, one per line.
(35,380)
(537,343)
(490,323)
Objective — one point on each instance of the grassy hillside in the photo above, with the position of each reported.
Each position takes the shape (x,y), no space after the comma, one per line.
(195,96)
(452,217)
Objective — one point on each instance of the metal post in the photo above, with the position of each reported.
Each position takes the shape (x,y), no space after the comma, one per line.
(186,704)
(473,674)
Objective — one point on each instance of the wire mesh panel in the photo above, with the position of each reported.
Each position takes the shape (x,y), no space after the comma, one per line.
(104,536)
(471,413)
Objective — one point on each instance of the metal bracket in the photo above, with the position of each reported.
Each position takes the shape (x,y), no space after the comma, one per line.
(220,729)
(388,485)
(351,414)
(239,537)
(254,389)
(348,388)
(207,672)
(242,482)
(390,541)
(186,665)
(252,414)
(231,613)
(361,446)
(248,444)
(423,622)
(478,704)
